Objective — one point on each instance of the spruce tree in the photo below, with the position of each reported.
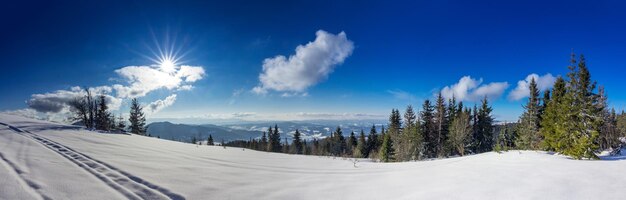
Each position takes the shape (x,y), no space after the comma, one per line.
(372,141)
(103,116)
(285,147)
(441,124)
(351,144)
(137,118)
(297,142)
(409,144)
(428,129)
(210,140)
(263,142)
(553,118)
(528,128)
(583,114)
(386,150)
(608,137)
(474,143)
(361,146)
(120,123)
(274,144)
(485,127)
(338,143)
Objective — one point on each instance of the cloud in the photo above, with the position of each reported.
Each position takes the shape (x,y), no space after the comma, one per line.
(543,83)
(140,80)
(58,101)
(144,79)
(160,104)
(311,64)
(469,89)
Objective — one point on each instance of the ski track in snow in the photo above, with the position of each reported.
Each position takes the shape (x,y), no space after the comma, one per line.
(127,184)
(30,186)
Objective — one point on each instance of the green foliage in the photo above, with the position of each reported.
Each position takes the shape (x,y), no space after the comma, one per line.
(484,128)
(460,132)
(137,118)
(297,143)
(528,128)
(386,150)
(361,147)
(573,116)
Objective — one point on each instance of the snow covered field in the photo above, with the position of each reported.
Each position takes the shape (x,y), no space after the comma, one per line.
(43,160)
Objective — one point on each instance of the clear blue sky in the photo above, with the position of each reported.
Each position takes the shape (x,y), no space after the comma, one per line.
(402,51)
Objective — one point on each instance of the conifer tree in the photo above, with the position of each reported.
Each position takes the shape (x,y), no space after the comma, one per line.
(485,127)
(297,142)
(137,118)
(372,141)
(553,118)
(528,128)
(441,125)
(285,146)
(503,140)
(263,142)
(428,129)
(608,137)
(386,150)
(351,144)
(410,141)
(361,147)
(103,117)
(121,125)
(338,143)
(210,140)
(583,114)
(274,144)
(474,143)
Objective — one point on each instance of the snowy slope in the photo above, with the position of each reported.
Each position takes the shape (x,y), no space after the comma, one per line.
(42,160)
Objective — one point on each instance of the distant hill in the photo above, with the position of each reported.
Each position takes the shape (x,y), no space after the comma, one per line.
(247,130)
(184,132)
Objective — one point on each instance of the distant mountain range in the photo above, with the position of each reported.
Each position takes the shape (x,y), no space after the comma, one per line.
(246,130)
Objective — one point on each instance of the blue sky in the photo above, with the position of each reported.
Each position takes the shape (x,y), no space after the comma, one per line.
(394,53)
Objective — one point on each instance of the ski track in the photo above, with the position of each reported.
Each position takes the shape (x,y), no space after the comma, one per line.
(30,186)
(130,186)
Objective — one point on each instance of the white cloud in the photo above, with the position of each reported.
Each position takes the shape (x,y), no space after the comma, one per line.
(140,80)
(144,79)
(160,104)
(469,89)
(58,101)
(543,83)
(311,64)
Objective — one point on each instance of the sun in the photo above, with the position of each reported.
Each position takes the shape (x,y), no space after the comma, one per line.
(167,65)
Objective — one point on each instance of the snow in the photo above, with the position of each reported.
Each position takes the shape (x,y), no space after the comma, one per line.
(43,160)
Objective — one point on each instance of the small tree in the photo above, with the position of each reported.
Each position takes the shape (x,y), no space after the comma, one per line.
(137,118)
(102,114)
(210,140)
(361,146)
(121,125)
(460,130)
(386,150)
(297,142)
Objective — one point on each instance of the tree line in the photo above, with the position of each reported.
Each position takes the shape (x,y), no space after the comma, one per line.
(440,130)
(573,118)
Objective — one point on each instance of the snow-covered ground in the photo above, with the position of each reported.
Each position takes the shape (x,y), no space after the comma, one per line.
(43,160)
